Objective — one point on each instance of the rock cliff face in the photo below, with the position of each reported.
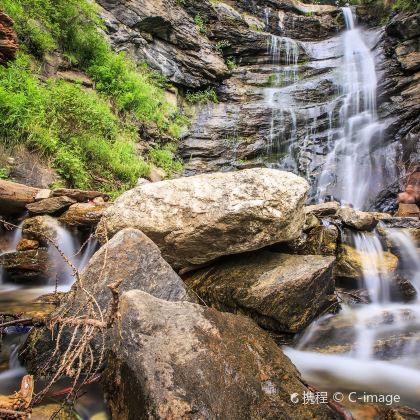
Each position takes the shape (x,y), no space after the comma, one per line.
(279,94)
(8,40)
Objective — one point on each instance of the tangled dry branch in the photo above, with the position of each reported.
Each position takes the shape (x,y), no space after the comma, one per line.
(74,328)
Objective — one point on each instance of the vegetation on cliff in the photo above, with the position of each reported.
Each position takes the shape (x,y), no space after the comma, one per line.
(89,135)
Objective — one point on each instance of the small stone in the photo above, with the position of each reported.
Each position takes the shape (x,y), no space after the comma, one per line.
(157,174)
(43,194)
(323,209)
(311,221)
(357,219)
(27,244)
(98,200)
(10,161)
(83,214)
(142,181)
(39,228)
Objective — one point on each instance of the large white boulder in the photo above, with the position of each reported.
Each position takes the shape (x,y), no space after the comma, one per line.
(197,219)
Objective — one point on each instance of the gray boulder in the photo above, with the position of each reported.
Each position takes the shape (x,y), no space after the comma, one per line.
(177,360)
(129,257)
(197,219)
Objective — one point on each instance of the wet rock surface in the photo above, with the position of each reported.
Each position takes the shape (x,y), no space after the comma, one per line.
(41,228)
(197,219)
(26,266)
(210,364)
(280,292)
(358,220)
(350,263)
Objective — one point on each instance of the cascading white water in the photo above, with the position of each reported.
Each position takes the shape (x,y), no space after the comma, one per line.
(362,368)
(380,352)
(284,53)
(350,172)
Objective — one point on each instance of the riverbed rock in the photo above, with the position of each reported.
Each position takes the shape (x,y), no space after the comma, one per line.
(8,39)
(329,208)
(356,219)
(53,205)
(280,292)
(181,360)
(350,263)
(130,256)
(83,214)
(320,240)
(41,228)
(26,245)
(26,266)
(197,219)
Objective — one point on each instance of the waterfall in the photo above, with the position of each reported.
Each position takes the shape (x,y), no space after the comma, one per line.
(350,173)
(382,339)
(284,53)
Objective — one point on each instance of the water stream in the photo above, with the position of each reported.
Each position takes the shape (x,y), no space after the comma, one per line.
(22,297)
(365,347)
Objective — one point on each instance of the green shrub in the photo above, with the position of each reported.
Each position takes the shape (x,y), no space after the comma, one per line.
(202,97)
(164,158)
(74,128)
(201,26)
(221,45)
(88,136)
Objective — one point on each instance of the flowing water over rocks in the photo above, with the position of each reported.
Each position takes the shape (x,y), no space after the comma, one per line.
(295,93)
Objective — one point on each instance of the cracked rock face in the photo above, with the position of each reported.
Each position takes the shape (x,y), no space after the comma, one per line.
(164,35)
(181,360)
(280,292)
(197,219)
(8,39)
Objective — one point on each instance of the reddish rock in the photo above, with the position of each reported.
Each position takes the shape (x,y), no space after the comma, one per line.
(8,39)
(27,244)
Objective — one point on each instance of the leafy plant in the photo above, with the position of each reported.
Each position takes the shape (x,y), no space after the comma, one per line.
(201,26)
(165,158)
(88,136)
(221,45)
(231,63)
(202,97)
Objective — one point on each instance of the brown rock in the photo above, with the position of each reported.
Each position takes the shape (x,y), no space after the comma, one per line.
(357,219)
(408,210)
(320,240)
(27,244)
(53,205)
(41,229)
(8,39)
(350,263)
(157,174)
(323,209)
(83,214)
(178,360)
(80,195)
(280,292)
(24,266)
